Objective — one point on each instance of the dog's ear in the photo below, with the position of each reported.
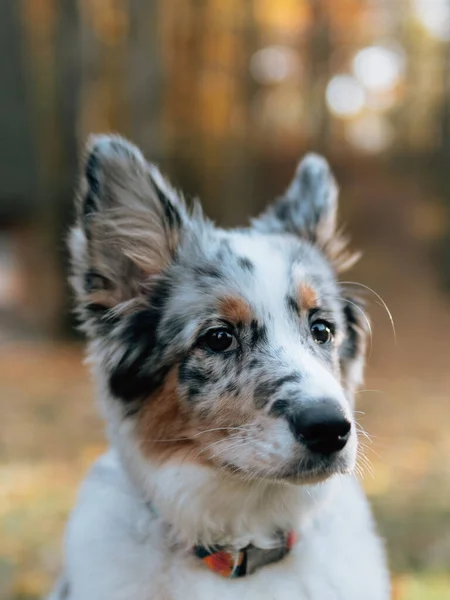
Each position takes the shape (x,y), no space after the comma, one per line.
(129,223)
(308,209)
(353,349)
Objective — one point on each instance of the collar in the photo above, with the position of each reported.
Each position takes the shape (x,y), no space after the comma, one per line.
(238,563)
(232,563)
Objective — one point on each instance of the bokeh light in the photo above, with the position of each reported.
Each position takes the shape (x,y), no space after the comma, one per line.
(435,17)
(345,96)
(382,101)
(370,133)
(279,110)
(378,68)
(274,64)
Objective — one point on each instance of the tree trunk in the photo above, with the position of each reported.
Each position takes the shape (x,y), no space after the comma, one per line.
(319,52)
(144,77)
(18,169)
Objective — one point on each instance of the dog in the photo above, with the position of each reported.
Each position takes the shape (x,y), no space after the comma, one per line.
(226,363)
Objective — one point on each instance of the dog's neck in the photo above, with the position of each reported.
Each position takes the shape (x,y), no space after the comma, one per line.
(204,506)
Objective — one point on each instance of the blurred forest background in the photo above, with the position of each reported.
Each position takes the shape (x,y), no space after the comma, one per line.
(226,95)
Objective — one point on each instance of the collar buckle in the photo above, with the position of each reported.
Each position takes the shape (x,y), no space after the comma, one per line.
(238,563)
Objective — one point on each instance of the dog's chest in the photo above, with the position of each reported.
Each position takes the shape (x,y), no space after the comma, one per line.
(188,578)
(301,575)
(117,551)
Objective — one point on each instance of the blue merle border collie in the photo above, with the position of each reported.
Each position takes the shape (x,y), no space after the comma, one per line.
(226,363)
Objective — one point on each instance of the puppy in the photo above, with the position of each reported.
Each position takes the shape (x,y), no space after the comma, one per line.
(226,364)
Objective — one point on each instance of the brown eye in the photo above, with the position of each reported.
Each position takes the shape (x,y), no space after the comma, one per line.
(219,340)
(321,332)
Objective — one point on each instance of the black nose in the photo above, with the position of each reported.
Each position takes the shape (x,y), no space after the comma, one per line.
(322,427)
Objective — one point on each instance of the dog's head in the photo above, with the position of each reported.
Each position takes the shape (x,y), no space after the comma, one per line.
(234,349)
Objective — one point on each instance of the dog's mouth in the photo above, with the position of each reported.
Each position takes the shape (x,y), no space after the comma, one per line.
(316,470)
(305,472)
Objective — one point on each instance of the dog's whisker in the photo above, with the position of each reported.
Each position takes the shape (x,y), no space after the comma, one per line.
(371,449)
(230,447)
(367,468)
(383,303)
(362,431)
(372,436)
(189,450)
(202,450)
(196,435)
(359,471)
(364,315)
(364,464)
(366,318)
(229,439)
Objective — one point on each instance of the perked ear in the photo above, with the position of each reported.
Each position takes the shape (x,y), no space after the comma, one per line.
(308,209)
(129,223)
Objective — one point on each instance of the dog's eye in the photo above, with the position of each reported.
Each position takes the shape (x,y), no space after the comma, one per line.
(321,332)
(219,340)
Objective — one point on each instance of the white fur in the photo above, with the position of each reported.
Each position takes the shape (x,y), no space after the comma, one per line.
(117,549)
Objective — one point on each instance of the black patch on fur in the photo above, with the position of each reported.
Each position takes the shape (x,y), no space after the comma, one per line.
(239,326)
(246,264)
(136,375)
(254,362)
(105,318)
(265,390)
(64,591)
(258,333)
(307,180)
(193,391)
(293,306)
(279,408)
(94,308)
(89,206)
(293,377)
(224,251)
(352,344)
(191,375)
(91,173)
(230,387)
(208,271)
(133,379)
(282,210)
(171,213)
(233,389)
(173,328)
(352,336)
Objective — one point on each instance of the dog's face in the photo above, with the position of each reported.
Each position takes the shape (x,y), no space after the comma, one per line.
(233,349)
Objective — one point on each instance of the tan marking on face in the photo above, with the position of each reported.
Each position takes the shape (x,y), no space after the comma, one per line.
(307,297)
(168,431)
(162,427)
(229,433)
(235,309)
